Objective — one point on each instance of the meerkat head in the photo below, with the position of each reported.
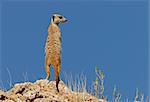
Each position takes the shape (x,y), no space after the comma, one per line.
(57,18)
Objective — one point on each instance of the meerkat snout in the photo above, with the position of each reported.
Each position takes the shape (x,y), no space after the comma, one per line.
(57,18)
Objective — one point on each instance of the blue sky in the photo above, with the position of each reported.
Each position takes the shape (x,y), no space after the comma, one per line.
(112,35)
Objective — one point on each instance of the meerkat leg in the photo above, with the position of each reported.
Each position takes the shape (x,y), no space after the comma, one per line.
(57,72)
(47,68)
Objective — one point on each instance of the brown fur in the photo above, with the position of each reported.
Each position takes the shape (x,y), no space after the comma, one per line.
(53,51)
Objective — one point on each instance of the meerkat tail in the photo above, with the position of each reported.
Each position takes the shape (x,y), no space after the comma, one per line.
(57,82)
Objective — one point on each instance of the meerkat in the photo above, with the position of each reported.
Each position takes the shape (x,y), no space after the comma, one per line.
(53,47)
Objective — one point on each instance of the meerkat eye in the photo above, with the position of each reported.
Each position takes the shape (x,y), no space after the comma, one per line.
(60,17)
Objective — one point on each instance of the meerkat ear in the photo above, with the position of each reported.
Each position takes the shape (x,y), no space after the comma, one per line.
(53,18)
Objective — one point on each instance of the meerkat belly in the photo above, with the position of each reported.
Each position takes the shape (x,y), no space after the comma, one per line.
(53,47)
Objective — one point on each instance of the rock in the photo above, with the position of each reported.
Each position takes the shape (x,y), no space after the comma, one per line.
(44,91)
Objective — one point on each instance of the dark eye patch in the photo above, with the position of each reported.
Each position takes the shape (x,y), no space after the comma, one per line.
(53,18)
(60,17)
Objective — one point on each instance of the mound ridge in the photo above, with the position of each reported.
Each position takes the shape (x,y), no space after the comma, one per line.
(44,91)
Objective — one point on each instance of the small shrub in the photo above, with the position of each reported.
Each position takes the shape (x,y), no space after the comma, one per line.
(139,96)
(99,84)
(116,95)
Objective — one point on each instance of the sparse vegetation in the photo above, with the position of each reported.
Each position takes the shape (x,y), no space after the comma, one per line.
(116,95)
(99,84)
(139,96)
(78,85)
(10,78)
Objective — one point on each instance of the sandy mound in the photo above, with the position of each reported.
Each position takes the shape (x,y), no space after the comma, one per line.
(44,91)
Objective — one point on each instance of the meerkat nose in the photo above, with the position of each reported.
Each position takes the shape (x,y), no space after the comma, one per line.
(66,20)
